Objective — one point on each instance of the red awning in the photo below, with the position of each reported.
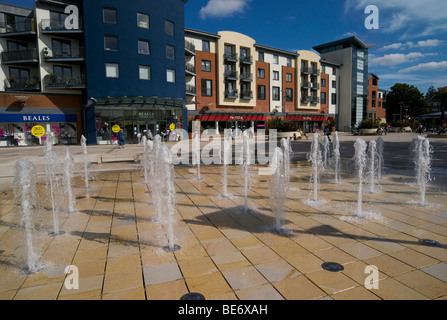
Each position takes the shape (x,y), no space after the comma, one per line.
(213,117)
(305,118)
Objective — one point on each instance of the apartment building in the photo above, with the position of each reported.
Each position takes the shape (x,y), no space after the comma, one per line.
(376,108)
(41,76)
(115,64)
(351,54)
(241,84)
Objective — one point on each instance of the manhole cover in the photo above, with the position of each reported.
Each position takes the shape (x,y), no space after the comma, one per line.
(193,296)
(429,242)
(332,266)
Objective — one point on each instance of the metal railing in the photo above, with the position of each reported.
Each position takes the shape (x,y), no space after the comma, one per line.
(57,25)
(52,81)
(20,55)
(26,25)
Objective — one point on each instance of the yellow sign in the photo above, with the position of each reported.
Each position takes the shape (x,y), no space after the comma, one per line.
(38,131)
(172,127)
(116,128)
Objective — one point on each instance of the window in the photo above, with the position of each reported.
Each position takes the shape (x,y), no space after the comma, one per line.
(289,62)
(62,72)
(145,72)
(323,83)
(323,98)
(169,27)
(261,56)
(275,59)
(61,48)
(17,46)
(111,43)
(170,75)
(289,95)
(143,20)
(275,93)
(207,88)
(144,47)
(57,20)
(334,84)
(275,75)
(261,73)
(109,15)
(261,92)
(288,77)
(170,52)
(206,65)
(205,46)
(19,74)
(112,70)
(334,98)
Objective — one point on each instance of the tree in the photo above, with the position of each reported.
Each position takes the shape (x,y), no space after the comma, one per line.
(442,96)
(411,99)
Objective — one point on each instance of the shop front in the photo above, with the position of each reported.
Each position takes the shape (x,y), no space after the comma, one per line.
(224,121)
(21,129)
(309,123)
(137,117)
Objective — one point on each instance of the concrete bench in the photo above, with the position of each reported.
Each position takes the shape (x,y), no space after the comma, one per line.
(102,158)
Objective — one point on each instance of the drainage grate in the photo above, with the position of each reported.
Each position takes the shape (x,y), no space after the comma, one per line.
(193,296)
(429,242)
(332,266)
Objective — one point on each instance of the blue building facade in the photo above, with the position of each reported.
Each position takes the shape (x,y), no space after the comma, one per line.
(135,67)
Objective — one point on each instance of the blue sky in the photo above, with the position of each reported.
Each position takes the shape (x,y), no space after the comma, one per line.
(411,42)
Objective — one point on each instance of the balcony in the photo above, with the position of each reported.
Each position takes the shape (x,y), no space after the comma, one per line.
(315,72)
(247,94)
(190,90)
(231,94)
(247,77)
(52,81)
(314,86)
(21,57)
(25,84)
(305,99)
(190,69)
(231,75)
(305,70)
(51,27)
(246,59)
(190,48)
(306,85)
(74,55)
(25,29)
(230,57)
(314,99)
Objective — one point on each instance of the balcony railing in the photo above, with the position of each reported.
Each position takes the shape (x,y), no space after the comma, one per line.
(190,68)
(75,53)
(48,25)
(231,75)
(26,26)
(52,81)
(305,70)
(19,56)
(315,72)
(231,57)
(305,99)
(24,84)
(190,89)
(315,99)
(190,47)
(305,84)
(315,86)
(232,94)
(248,77)
(246,59)
(247,94)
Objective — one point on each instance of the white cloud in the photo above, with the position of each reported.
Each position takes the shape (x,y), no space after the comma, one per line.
(427,66)
(425,43)
(394,46)
(395,58)
(223,8)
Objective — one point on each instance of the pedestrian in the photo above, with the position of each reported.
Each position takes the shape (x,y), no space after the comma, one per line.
(121,139)
(328,133)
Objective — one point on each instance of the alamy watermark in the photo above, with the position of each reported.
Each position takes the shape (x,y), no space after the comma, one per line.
(372,20)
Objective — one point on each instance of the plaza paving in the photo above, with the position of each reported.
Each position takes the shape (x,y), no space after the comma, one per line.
(116,242)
